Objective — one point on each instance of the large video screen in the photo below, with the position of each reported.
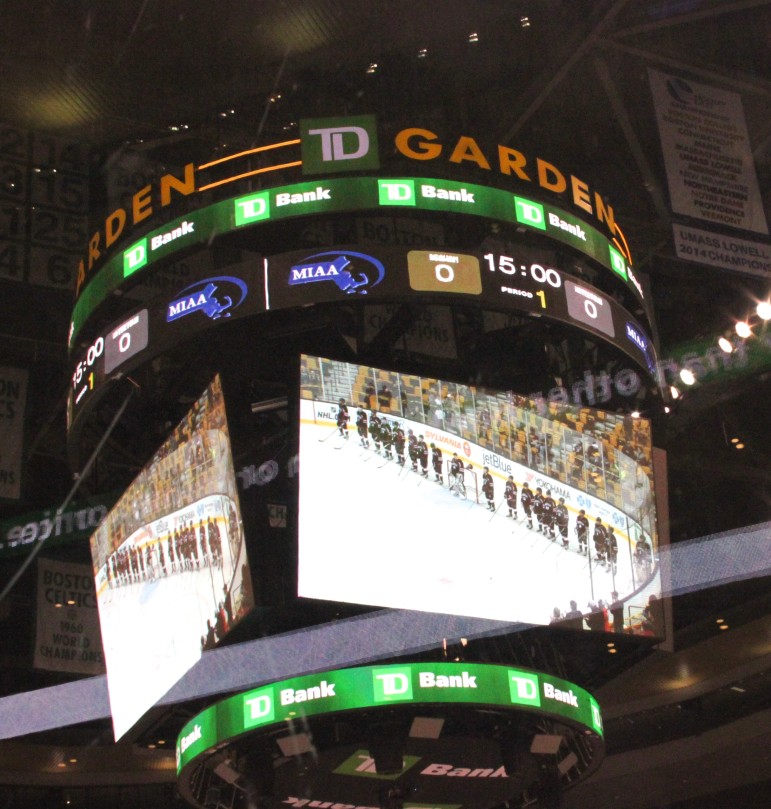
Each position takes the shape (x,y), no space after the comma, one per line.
(419,493)
(172,576)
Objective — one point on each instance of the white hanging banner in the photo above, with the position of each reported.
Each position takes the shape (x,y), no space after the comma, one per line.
(13,401)
(719,250)
(68,636)
(707,153)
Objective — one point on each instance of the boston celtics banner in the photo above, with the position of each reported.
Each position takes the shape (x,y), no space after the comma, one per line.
(68,636)
(13,401)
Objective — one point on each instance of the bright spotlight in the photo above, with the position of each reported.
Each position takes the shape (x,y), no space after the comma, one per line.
(725,345)
(764,310)
(743,329)
(674,392)
(687,376)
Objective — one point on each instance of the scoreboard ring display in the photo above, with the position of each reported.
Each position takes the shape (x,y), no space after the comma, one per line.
(526,281)
(403,196)
(467,734)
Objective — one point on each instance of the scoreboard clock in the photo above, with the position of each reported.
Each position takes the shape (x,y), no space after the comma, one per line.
(530,283)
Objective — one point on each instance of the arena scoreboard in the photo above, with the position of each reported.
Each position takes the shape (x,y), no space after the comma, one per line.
(354,194)
(529,282)
(549,262)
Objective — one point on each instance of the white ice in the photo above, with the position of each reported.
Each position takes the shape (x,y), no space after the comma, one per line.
(373,532)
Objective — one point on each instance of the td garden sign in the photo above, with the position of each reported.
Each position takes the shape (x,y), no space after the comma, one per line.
(334,145)
(491,688)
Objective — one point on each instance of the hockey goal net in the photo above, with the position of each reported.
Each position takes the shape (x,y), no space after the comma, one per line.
(465,485)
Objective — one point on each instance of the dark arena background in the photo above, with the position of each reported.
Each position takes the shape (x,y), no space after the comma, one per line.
(383,398)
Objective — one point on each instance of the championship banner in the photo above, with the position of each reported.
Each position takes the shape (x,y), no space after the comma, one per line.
(725,252)
(707,153)
(68,637)
(13,401)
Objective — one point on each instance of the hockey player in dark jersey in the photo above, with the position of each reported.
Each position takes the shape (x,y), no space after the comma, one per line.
(582,531)
(343,417)
(387,437)
(488,489)
(510,495)
(538,507)
(599,537)
(526,498)
(362,427)
(423,456)
(436,462)
(547,514)
(643,557)
(412,449)
(374,430)
(561,518)
(611,544)
(399,441)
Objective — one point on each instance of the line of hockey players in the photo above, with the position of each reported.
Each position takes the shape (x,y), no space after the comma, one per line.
(389,439)
(550,516)
(185,550)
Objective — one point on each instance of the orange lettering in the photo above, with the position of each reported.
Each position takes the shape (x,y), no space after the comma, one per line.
(428,151)
(186,186)
(512,160)
(142,204)
(556,182)
(113,226)
(467,149)
(580,194)
(93,249)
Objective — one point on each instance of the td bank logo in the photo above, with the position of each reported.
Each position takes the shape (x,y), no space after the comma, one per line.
(259,707)
(617,263)
(396,192)
(393,684)
(339,144)
(529,213)
(135,257)
(523,688)
(596,717)
(252,208)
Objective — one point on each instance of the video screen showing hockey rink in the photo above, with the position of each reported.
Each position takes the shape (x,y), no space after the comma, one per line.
(172,576)
(418,493)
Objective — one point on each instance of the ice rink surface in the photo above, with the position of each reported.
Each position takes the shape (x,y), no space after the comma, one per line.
(374,532)
(152,632)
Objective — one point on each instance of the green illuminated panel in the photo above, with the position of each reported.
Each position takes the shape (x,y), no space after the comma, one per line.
(499,687)
(338,195)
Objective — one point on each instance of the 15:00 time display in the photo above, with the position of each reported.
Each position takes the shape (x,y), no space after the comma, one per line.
(538,273)
(92,353)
